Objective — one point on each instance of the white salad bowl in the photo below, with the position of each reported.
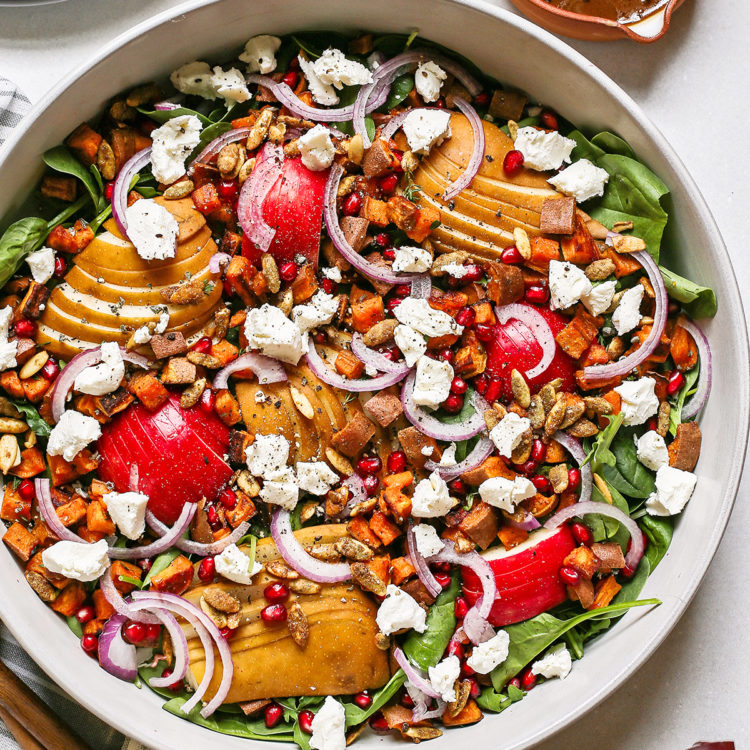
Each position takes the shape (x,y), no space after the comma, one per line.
(515,51)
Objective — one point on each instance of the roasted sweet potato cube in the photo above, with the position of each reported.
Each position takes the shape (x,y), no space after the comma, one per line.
(470,360)
(84,142)
(505,283)
(401,570)
(512,536)
(244,510)
(494,466)
(85,461)
(61,187)
(352,438)
(115,402)
(480,524)
(583,560)
(367,313)
(543,250)
(121,568)
(175,578)
(73,512)
(414,443)
(97,518)
(449,302)
(581,247)
(228,408)
(427,219)
(14,507)
(374,211)
(34,301)
(583,591)
(90,536)
(384,407)
(606,590)
(20,541)
(579,334)
(304,285)
(624,264)
(685,449)
(469,714)
(558,216)
(70,599)
(507,105)
(386,531)
(361,531)
(610,556)
(381,567)
(11,384)
(379,159)
(148,390)
(104,610)
(32,463)
(224,351)
(349,365)
(238,276)
(355,231)
(35,387)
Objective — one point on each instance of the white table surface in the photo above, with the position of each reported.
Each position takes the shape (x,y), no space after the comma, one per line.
(693,84)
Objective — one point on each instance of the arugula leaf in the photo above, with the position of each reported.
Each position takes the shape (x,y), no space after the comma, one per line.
(400,89)
(356,715)
(33,420)
(62,160)
(528,639)
(659,532)
(491,700)
(425,649)
(18,240)
(162,562)
(699,301)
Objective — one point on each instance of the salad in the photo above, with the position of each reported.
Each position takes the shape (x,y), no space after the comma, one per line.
(344,390)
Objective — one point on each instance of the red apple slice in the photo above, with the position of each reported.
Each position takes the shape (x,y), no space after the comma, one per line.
(294,208)
(178,454)
(526,576)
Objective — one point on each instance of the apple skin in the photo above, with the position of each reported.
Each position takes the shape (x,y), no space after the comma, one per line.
(178,453)
(294,208)
(514,347)
(526,576)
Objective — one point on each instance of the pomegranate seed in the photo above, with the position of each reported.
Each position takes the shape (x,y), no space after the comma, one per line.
(484,332)
(574,478)
(455,648)
(396,462)
(213,517)
(458,386)
(466,317)
(89,643)
(460,607)
(549,120)
(569,576)
(480,383)
(273,613)
(145,564)
(529,467)
(473,687)
(538,450)
(472,272)
(528,679)
(50,370)
(290,79)
(227,633)
(440,103)
(515,682)
(26,490)
(383,240)
(276,592)
(443,579)
(305,720)
(628,571)
(378,723)
(372,485)
(466,670)
(152,633)
(406,701)
(25,328)
(493,390)
(288,271)
(369,465)
(541,484)
(273,715)
(393,354)
(441,567)
(390,254)
(453,404)
(513,163)
(175,687)
(319,337)
(208,401)
(202,345)
(328,286)
(457,486)
(85,614)
(446,355)
(511,255)
(134,632)
(109,188)
(676,381)
(482,99)
(228,498)
(207,569)
(537,295)
(582,533)
(388,183)
(393,303)
(227,189)
(351,205)
(363,700)
(652,423)
(60,267)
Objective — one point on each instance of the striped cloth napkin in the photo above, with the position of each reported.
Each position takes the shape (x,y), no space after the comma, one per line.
(94,732)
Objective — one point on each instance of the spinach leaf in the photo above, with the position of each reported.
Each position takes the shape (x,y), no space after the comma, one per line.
(528,639)
(491,700)
(400,89)
(356,715)
(146,672)
(612,144)
(632,588)
(163,115)
(18,240)
(628,476)
(601,455)
(75,626)
(659,532)
(699,301)
(675,413)
(62,160)
(208,134)
(162,562)
(33,419)
(467,411)
(425,649)
(315,43)
(604,528)
(101,217)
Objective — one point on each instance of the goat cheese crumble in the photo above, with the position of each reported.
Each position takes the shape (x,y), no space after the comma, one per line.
(412,259)
(267,455)
(443,677)
(599,299)
(541,150)
(432,384)
(428,80)
(77,560)
(315,477)
(260,53)
(425,128)
(319,311)
(329,726)
(128,511)
(171,144)
(333,68)
(398,611)
(72,434)
(322,93)
(234,565)
(431,498)
(567,284)
(582,179)
(268,329)
(418,314)
(555,663)
(651,450)
(506,493)
(98,380)
(316,148)
(410,342)
(638,400)
(152,229)
(674,487)
(42,264)
(427,539)
(627,314)
(506,434)
(486,656)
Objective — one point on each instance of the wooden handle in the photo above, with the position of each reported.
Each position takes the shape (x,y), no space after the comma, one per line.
(38,720)
(25,740)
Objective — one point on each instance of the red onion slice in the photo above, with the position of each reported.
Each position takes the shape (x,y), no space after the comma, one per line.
(623,367)
(482,450)
(49,514)
(421,286)
(477,628)
(415,675)
(186,609)
(121,187)
(198,548)
(394,124)
(316,363)
(331,218)
(160,545)
(477,152)
(112,595)
(267,369)
(432,427)
(539,329)
(699,398)
(529,523)
(376,359)
(580,509)
(116,655)
(420,712)
(296,556)
(213,148)
(134,359)
(218,261)
(573,446)
(266,172)
(420,564)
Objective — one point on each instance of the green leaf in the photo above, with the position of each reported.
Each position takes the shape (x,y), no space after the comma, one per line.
(131,580)
(208,134)
(18,240)
(370,127)
(490,700)
(315,43)
(628,476)
(632,588)
(659,532)
(601,455)
(425,649)
(33,420)
(75,626)
(675,413)
(605,528)
(162,116)
(613,144)
(699,301)
(162,562)
(146,672)
(101,218)
(356,715)
(62,160)
(467,411)
(530,638)
(400,89)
